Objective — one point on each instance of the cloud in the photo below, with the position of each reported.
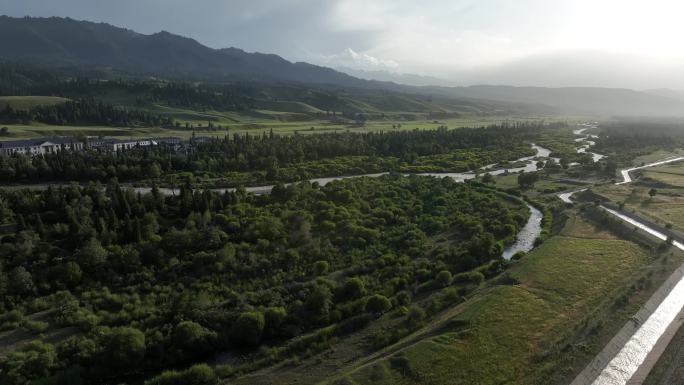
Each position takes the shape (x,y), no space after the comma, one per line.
(360,61)
(455,39)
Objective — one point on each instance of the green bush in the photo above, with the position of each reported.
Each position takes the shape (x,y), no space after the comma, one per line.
(470,277)
(36,327)
(248,329)
(353,289)
(378,304)
(196,375)
(443,278)
(192,338)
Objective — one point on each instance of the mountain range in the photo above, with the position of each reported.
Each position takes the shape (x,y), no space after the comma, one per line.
(64,42)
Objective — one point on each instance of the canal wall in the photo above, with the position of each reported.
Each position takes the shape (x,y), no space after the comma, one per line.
(593,370)
(596,366)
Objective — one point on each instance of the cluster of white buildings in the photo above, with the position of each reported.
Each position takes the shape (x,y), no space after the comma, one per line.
(43,146)
(39,146)
(115,145)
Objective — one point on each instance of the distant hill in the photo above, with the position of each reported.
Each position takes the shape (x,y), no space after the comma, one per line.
(583,100)
(55,42)
(60,41)
(399,78)
(666,92)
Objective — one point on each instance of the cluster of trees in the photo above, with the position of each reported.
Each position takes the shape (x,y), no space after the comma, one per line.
(221,98)
(627,140)
(239,96)
(84,112)
(152,282)
(271,158)
(20,79)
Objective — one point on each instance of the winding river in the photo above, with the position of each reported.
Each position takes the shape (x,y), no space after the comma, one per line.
(588,143)
(631,362)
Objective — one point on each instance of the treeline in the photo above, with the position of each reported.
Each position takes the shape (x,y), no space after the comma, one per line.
(83,112)
(629,139)
(271,157)
(205,97)
(19,79)
(150,282)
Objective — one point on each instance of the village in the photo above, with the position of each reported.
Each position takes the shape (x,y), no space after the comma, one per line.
(44,146)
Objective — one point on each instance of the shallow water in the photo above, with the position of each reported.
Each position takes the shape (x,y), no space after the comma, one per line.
(526,237)
(589,143)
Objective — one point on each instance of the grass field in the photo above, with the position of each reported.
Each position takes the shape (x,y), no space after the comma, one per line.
(257,123)
(28,102)
(540,329)
(670,174)
(667,206)
(657,155)
(549,182)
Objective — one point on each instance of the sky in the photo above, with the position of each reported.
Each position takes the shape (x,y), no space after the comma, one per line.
(614,43)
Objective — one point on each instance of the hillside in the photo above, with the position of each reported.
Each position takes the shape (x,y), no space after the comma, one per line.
(68,42)
(584,100)
(105,49)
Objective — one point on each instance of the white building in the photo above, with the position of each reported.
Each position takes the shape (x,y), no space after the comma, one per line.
(122,145)
(39,146)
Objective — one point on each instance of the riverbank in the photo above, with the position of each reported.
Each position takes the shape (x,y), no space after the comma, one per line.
(519,330)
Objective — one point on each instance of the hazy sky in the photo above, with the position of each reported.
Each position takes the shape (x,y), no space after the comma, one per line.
(526,42)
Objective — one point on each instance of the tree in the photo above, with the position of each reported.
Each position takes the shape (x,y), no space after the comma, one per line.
(71,274)
(192,338)
(20,281)
(443,278)
(31,362)
(321,267)
(274,317)
(248,329)
(652,192)
(527,180)
(4,131)
(378,304)
(318,303)
(92,255)
(353,289)
(124,348)
(154,171)
(488,178)
(415,315)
